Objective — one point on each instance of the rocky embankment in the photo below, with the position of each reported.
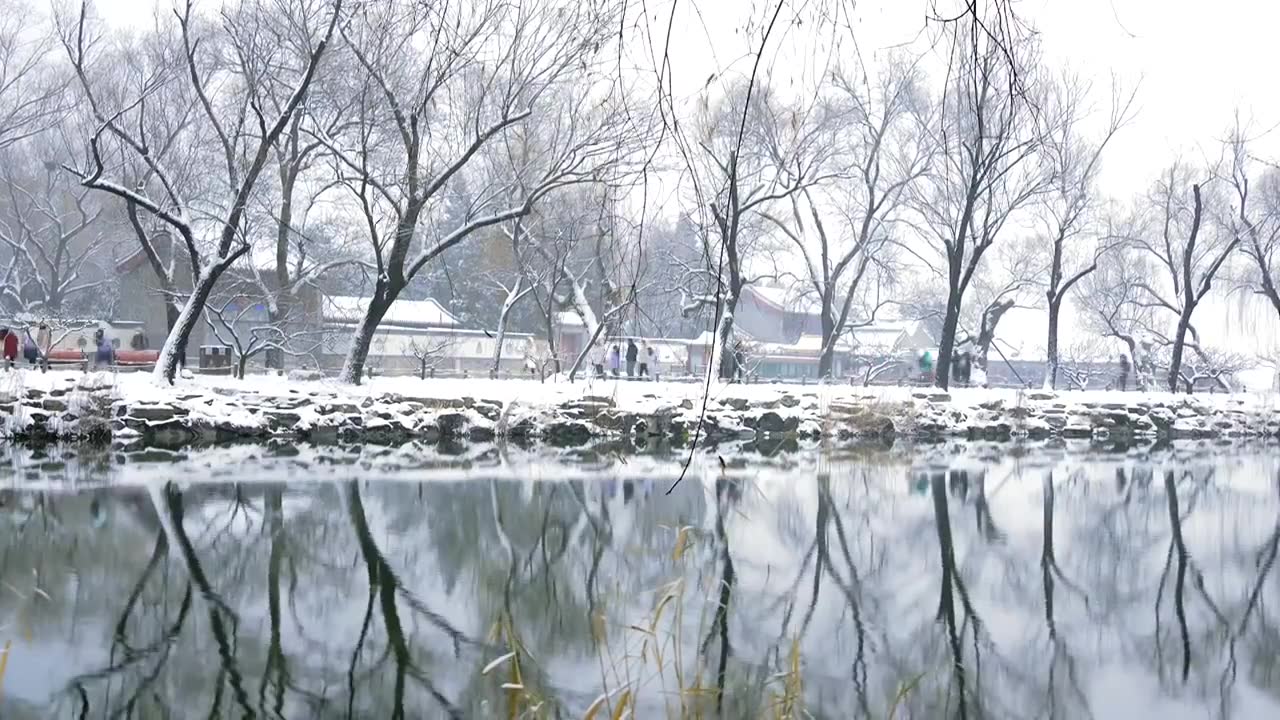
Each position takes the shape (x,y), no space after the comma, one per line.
(74,407)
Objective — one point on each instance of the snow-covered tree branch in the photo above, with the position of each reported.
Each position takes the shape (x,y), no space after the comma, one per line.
(262,71)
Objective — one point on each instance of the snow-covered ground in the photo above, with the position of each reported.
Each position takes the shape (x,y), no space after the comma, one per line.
(634,395)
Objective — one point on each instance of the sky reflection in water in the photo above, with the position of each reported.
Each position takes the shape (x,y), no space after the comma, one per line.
(949,584)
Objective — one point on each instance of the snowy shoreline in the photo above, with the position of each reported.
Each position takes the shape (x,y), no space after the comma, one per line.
(131,408)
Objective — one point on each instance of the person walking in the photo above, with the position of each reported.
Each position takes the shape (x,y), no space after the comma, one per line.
(30,349)
(646,359)
(44,343)
(925,364)
(615,359)
(739,360)
(10,346)
(633,354)
(103,354)
(963,368)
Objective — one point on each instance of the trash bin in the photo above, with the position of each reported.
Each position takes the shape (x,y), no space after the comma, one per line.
(215,359)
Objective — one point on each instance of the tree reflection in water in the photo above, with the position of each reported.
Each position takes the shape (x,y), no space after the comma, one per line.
(752,594)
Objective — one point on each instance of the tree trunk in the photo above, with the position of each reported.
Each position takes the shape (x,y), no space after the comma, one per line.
(241,362)
(551,342)
(981,362)
(724,356)
(586,349)
(168,289)
(724,353)
(950,581)
(174,352)
(514,296)
(987,335)
(500,340)
(595,328)
(273,357)
(946,345)
(827,358)
(171,313)
(1179,342)
(362,340)
(1051,345)
(279,311)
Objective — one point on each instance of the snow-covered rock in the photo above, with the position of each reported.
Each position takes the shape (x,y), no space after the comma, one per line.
(60,405)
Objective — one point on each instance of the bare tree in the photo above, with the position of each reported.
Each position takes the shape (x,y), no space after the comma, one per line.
(294,266)
(578,242)
(871,362)
(1007,283)
(882,152)
(752,151)
(33,94)
(54,236)
(512,296)
(243,322)
(1009,279)
(179,152)
(1255,219)
(156,245)
(429,119)
(1082,362)
(1217,368)
(1069,209)
(1187,252)
(542,262)
(670,248)
(616,297)
(429,353)
(1114,303)
(240,99)
(989,165)
(587,252)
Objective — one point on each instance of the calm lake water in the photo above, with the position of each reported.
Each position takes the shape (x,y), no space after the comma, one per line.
(958,581)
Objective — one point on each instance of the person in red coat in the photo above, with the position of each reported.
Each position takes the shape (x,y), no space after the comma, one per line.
(10,345)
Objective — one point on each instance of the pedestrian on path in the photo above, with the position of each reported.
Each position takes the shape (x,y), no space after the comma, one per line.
(633,354)
(103,354)
(10,346)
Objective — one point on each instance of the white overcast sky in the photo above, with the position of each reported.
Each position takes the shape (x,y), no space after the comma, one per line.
(1196,62)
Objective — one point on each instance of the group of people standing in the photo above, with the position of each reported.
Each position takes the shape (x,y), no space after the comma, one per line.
(639,361)
(34,343)
(34,348)
(961,367)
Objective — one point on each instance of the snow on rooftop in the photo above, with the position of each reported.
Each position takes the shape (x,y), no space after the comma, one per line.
(706,338)
(794,299)
(408,313)
(569,318)
(884,333)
